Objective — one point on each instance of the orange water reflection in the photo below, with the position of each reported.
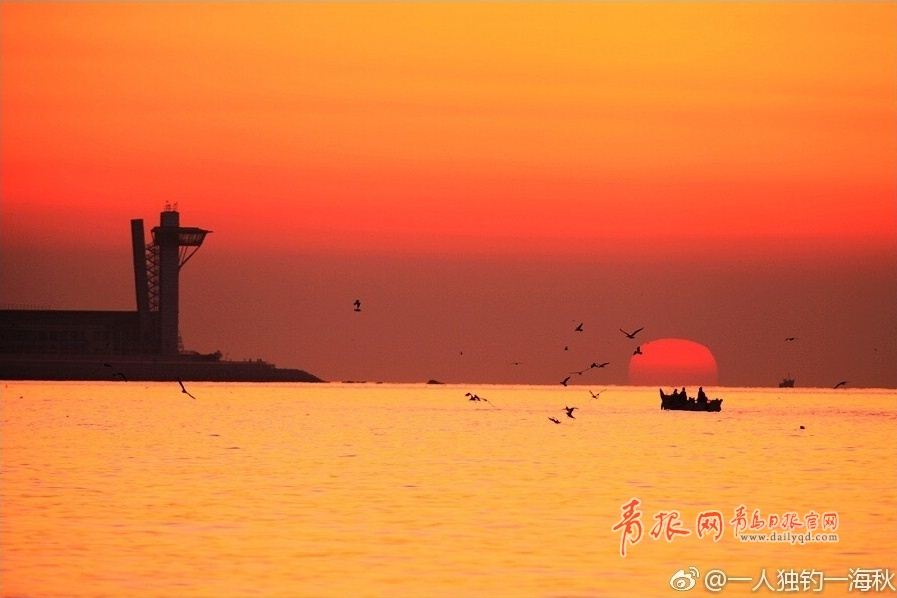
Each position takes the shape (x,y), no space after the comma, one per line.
(354,490)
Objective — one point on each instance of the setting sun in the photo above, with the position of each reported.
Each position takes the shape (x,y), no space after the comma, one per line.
(673,361)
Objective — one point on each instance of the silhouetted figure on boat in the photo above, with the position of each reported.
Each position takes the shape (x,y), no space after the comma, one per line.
(702,398)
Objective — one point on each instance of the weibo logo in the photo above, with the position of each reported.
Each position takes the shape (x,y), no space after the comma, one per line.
(683,581)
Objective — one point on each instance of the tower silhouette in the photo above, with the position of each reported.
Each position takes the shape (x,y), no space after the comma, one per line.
(157,268)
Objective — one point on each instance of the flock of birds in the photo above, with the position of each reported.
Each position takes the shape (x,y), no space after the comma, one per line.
(566,381)
(600,364)
(580,328)
(474,397)
(594,365)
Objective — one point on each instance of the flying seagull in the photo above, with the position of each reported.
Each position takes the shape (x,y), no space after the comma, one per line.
(570,411)
(579,372)
(475,397)
(578,327)
(840,384)
(594,395)
(599,365)
(631,334)
(184,390)
(791,338)
(638,351)
(357,305)
(565,380)
(555,420)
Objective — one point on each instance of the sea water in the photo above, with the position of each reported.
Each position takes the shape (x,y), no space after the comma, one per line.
(135,489)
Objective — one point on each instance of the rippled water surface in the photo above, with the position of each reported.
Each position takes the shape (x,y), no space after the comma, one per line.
(134,489)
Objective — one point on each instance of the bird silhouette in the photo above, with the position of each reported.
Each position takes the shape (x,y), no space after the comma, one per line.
(840,384)
(357,305)
(566,348)
(632,334)
(579,372)
(117,373)
(791,338)
(476,397)
(594,395)
(578,327)
(555,420)
(599,365)
(570,411)
(638,351)
(184,390)
(565,380)
(516,363)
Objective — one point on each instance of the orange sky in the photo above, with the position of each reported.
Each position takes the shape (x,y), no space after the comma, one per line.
(519,128)
(723,172)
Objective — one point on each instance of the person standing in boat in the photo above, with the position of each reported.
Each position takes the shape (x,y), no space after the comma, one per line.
(702,398)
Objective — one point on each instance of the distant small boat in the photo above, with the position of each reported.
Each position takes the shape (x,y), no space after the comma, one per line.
(682,402)
(786,383)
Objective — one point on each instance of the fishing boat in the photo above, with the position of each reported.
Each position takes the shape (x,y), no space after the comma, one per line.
(786,383)
(682,402)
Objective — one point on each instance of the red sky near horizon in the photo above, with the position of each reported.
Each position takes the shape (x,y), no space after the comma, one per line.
(724,172)
(457,127)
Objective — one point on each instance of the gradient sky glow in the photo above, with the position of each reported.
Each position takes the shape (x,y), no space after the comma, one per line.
(725,172)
